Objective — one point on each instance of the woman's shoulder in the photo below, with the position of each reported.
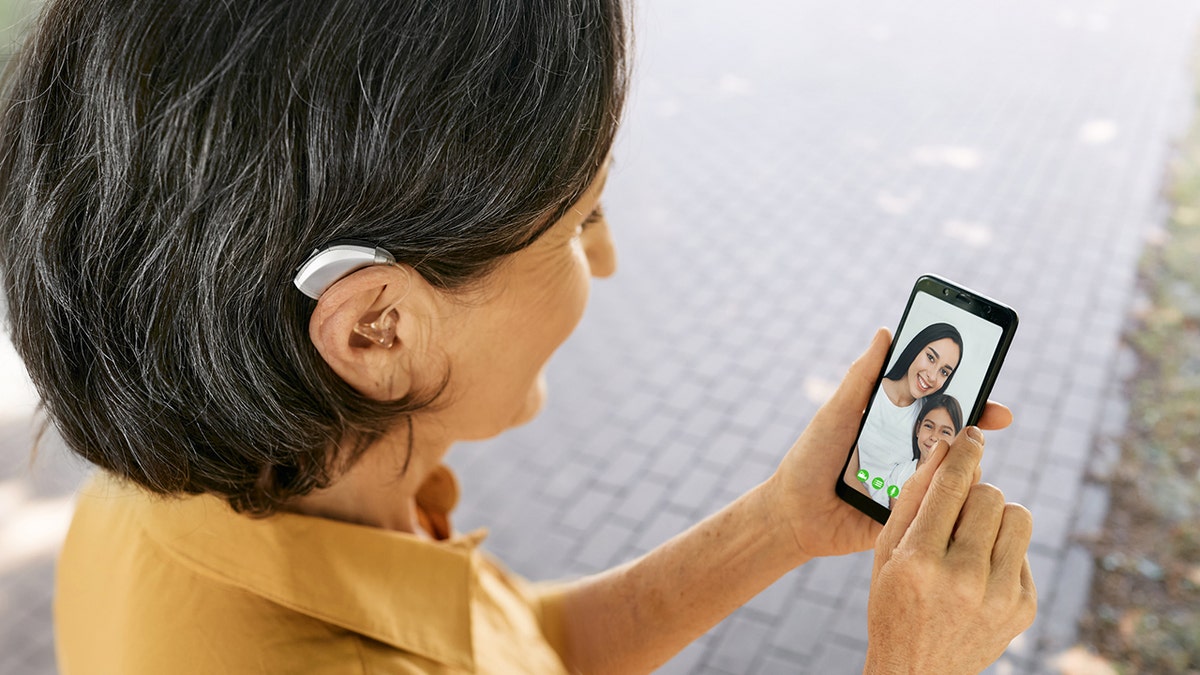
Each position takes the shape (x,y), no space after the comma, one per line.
(126,602)
(150,583)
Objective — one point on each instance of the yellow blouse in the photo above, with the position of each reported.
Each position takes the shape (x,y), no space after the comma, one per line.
(157,585)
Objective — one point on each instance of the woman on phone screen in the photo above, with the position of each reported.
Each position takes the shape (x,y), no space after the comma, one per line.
(924,368)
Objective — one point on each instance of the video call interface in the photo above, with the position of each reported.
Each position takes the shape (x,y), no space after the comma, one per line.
(931,384)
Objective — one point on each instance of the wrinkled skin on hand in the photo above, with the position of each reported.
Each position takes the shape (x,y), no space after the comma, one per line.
(823,524)
(951,586)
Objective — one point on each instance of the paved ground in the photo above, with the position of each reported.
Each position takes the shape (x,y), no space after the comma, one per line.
(785,172)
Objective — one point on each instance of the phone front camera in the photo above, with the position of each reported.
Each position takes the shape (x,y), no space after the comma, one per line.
(946,292)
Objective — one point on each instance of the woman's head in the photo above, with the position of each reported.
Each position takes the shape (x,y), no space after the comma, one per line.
(940,419)
(165,167)
(929,361)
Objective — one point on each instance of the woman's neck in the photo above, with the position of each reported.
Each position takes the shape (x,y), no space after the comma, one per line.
(377,490)
(898,393)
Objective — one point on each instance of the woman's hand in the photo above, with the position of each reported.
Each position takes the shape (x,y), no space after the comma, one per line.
(634,617)
(951,585)
(802,486)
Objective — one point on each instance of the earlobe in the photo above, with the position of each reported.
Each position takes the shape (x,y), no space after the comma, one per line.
(359,328)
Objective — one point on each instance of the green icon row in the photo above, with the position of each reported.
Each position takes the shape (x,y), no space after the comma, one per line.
(892,491)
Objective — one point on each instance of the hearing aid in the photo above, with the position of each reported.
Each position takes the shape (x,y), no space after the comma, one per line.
(381,331)
(336,260)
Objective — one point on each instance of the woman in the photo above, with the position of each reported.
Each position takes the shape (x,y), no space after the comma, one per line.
(940,420)
(271,422)
(924,368)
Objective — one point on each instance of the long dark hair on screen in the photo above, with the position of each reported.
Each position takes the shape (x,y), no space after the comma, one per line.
(930,334)
(933,402)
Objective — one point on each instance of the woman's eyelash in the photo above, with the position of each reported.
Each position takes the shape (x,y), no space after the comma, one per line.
(594,217)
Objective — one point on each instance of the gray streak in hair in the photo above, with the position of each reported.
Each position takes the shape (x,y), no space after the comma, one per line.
(165,167)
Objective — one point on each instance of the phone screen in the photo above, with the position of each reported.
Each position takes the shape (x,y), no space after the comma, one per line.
(943,361)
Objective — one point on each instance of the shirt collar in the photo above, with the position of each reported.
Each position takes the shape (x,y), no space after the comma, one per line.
(400,589)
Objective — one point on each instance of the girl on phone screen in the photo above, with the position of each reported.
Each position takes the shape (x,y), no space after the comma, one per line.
(925,367)
(941,419)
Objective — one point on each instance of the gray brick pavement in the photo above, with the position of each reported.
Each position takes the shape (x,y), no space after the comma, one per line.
(785,171)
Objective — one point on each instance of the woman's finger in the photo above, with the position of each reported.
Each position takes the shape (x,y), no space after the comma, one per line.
(909,502)
(974,538)
(855,389)
(1028,588)
(948,490)
(995,416)
(1008,555)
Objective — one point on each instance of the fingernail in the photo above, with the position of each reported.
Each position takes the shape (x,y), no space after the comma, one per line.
(975,434)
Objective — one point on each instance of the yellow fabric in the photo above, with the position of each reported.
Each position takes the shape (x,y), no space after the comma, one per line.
(155,585)
(547,599)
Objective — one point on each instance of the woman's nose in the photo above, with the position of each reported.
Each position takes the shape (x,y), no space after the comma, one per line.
(600,250)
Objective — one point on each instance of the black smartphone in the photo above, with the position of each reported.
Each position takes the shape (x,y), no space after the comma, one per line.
(935,381)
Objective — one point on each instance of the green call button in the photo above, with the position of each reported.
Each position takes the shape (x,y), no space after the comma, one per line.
(893,491)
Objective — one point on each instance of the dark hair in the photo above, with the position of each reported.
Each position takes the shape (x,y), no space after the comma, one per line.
(930,334)
(166,166)
(928,405)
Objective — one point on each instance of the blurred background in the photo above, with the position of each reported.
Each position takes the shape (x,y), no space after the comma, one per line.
(785,172)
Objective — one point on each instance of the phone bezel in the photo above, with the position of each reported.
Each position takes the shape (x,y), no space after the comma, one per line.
(963,298)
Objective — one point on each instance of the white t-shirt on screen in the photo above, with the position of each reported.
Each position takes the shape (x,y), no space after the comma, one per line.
(886,441)
(901,474)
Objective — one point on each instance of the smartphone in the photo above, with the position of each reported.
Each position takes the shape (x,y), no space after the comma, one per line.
(935,381)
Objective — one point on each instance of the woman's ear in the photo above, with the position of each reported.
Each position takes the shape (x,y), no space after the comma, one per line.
(367,328)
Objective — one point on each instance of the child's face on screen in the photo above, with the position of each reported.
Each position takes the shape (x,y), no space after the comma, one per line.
(935,426)
(932,367)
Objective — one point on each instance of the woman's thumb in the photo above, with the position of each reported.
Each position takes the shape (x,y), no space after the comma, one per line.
(860,379)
